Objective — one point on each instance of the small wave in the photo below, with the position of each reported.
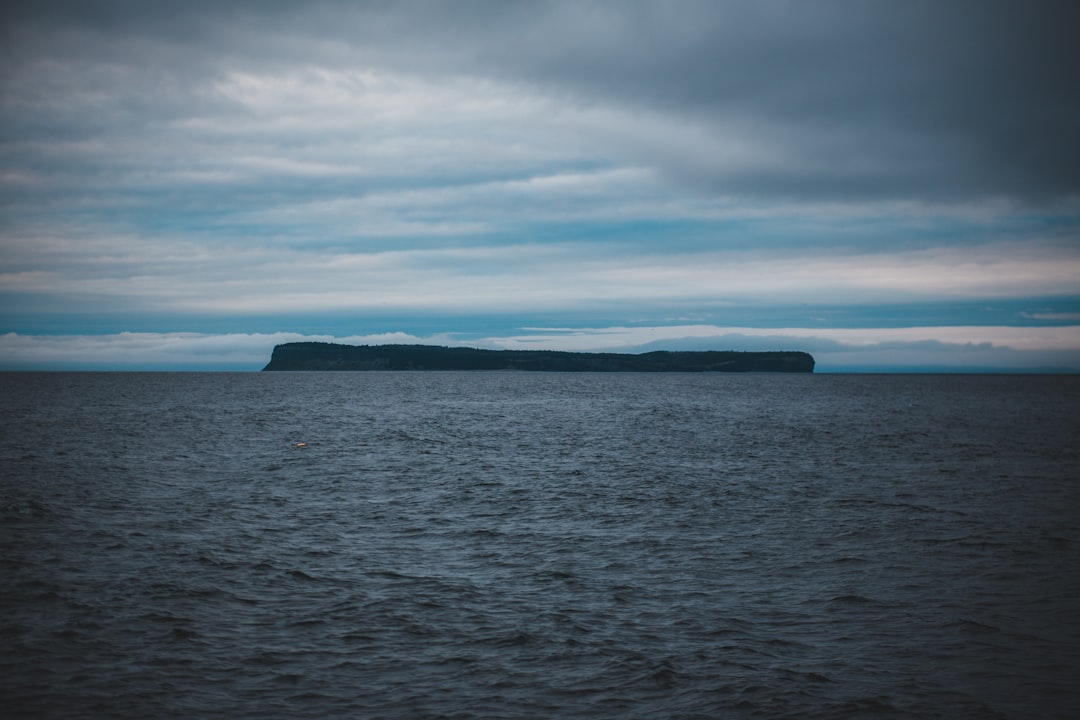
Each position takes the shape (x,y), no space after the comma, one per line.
(555,575)
(388,575)
(516,639)
(265,657)
(183,633)
(301,575)
(664,676)
(357,637)
(851,598)
(32,508)
(973,626)
(289,678)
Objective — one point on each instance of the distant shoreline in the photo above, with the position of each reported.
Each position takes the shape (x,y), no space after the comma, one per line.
(330,356)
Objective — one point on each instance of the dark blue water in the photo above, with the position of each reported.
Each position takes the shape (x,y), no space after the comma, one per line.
(532,545)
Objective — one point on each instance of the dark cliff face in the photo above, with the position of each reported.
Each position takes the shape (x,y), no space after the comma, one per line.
(328,356)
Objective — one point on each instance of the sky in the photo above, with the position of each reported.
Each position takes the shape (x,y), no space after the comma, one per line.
(890,186)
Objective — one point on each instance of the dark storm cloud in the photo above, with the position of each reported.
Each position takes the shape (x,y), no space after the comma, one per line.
(837,99)
(901,98)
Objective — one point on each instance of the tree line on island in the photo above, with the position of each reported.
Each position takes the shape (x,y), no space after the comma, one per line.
(331,356)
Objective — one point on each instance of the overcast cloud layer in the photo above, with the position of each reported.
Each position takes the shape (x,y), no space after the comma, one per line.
(182,185)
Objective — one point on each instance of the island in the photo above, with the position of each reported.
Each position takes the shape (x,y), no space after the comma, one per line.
(331,356)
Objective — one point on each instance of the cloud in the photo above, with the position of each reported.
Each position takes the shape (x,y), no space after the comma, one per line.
(155,351)
(828,100)
(116,272)
(1054,316)
(997,348)
(611,338)
(910,99)
(200,165)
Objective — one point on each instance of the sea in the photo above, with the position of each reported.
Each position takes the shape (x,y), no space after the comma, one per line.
(539,545)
